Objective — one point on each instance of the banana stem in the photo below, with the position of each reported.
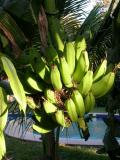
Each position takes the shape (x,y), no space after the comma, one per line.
(50,6)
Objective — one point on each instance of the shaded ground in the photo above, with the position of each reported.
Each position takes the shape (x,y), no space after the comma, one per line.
(23,150)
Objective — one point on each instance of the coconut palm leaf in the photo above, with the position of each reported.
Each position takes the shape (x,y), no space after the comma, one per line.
(72,15)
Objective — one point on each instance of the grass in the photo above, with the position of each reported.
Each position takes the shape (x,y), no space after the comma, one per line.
(24,150)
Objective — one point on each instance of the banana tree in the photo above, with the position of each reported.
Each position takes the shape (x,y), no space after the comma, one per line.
(50,70)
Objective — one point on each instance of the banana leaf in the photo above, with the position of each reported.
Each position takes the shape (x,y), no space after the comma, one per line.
(3,109)
(15,83)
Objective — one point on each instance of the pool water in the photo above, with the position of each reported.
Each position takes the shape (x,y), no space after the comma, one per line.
(67,136)
(96,129)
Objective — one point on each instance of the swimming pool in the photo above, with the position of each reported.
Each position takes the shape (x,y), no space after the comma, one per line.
(67,136)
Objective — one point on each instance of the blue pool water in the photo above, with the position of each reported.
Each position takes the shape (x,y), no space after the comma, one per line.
(96,128)
(71,135)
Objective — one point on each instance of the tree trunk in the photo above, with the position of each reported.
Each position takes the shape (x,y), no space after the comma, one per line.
(49,146)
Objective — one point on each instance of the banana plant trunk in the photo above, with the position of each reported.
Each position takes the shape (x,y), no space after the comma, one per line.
(49,146)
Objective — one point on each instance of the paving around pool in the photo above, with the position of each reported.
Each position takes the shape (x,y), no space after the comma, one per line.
(69,136)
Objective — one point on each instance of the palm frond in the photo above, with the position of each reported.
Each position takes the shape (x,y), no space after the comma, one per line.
(73,16)
(93,20)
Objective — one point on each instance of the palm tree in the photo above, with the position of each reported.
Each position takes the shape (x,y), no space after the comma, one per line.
(26,35)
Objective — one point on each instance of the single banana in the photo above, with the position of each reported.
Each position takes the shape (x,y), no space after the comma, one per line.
(41,129)
(71,109)
(40,67)
(65,73)
(86,83)
(81,67)
(51,54)
(55,33)
(80,45)
(55,78)
(79,103)
(102,86)
(61,119)
(69,52)
(28,89)
(89,102)
(44,120)
(49,107)
(34,81)
(100,71)
(50,95)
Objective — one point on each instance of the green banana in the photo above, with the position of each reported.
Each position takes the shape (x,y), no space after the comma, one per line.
(41,129)
(28,89)
(79,103)
(50,95)
(102,86)
(86,83)
(40,67)
(82,124)
(61,119)
(89,102)
(81,67)
(2,145)
(80,45)
(69,53)
(3,109)
(71,109)
(55,33)
(100,71)
(49,107)
(51,54)
(33,80)
(55,78)
(65,73)
(43,122)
